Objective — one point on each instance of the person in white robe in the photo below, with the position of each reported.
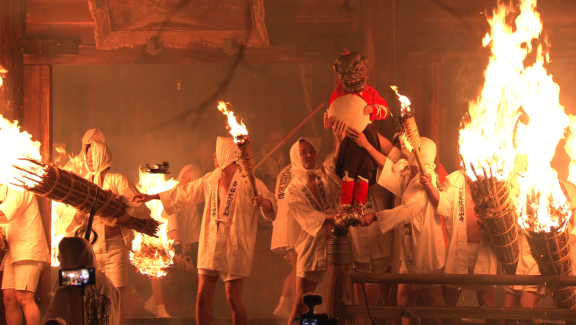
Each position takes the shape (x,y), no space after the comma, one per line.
(423,241)
(285,233)
(313,200)
(112,240)
(371,248)
(229,226)
(102,296)
(468,251)
(26,256)
(77,164)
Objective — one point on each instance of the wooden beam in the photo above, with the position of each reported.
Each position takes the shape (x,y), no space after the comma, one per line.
(37,120)
(463,312)
(89,55)
(12,26)
(49,47)
(469,279)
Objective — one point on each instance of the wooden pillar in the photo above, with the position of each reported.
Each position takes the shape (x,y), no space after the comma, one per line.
(12,27)
(37,120)
(307,87)
(384,24)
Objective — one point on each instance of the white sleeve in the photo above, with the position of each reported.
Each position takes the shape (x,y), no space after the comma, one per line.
(127,189)
(183,196)
(390,219)
(390,179)
(310,220)
(265,192)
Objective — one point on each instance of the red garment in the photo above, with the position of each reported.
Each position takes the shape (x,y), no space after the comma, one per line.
(371,97)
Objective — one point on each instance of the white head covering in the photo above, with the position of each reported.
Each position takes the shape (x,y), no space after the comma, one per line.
(101,159)
(427,152)
(184,170)
(88,136)
(225,155)
(299,173)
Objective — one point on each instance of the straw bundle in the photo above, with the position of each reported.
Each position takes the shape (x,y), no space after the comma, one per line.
(411,132)
(153,262)
(181,271)
(552,253)
(66,187)
(498,216)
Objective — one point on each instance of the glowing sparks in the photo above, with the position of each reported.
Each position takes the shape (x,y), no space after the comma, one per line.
(2,71)
(152,256)
(238,131)
(404,102)
(518,115)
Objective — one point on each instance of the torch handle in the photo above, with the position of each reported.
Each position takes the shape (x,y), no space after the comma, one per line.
(418,156)
(253,183)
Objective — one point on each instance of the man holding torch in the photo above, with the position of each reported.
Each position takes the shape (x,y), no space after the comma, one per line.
(229,227)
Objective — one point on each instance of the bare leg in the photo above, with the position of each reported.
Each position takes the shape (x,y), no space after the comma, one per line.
(293,259)
(206,285)
(434,297)
(29,308)
(303,286)
(451,297)
(530,300)
(393,298)
(407,297)
(487,298)
(373,294)
(157,290)
(13,311)
(234,298)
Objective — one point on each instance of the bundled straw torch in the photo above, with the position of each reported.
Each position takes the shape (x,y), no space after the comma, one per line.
(240,134)
(411,137)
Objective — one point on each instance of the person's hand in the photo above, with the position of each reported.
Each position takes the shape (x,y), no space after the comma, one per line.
(426,180)
(368,219)
(572,239)
(368,109)
(358,137)
(79,217)
(332,218)
(339,131)
(143,198)
(330,122)
(258,201)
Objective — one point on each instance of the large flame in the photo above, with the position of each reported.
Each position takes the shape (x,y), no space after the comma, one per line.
(16,145)
(238,130)
(518,115)
(152,256)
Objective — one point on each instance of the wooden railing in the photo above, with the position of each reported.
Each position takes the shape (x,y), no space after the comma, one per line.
(464,312)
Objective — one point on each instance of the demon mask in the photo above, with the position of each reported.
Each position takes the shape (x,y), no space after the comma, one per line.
(351,69)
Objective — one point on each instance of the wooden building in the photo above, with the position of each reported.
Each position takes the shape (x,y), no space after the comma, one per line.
(431,49)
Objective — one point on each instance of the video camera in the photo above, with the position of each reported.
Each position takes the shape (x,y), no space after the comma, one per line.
(78,277)
(311,318)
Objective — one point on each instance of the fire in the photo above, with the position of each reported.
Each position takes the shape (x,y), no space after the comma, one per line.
(2,71)
(16,145)
(517,115)
(238,131)
(404,102)
(152,256)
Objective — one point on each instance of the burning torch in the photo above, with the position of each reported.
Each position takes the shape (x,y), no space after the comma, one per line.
(240,134)
(411,137)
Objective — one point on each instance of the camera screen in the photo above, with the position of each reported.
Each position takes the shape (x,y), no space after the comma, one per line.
(312,321)
(77,277)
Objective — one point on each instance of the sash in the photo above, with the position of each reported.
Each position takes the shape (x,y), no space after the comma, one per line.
(285,179)
(322,192)
(214,203)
